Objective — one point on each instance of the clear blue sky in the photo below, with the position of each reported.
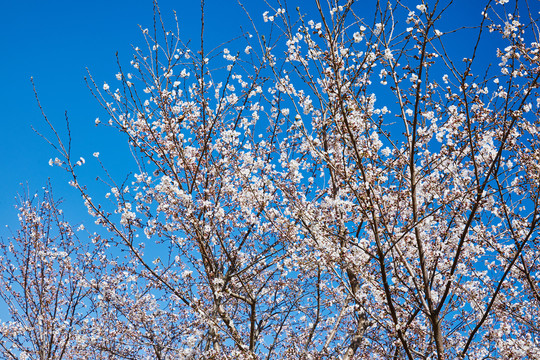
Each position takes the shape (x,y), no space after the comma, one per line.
(54,41)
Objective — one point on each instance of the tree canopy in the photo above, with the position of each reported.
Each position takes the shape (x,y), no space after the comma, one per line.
(357,182)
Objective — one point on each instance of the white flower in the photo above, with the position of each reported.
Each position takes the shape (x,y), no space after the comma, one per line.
(378,29)
(388,54)
(96,154)
(358,37)
(127,216)
(105,86)
(421,7)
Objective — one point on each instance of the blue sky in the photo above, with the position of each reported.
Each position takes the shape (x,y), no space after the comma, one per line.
(53,42)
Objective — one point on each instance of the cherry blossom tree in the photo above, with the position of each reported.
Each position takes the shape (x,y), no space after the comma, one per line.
(342,184)
(44,268)
(426,219)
